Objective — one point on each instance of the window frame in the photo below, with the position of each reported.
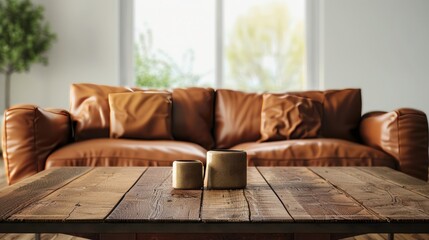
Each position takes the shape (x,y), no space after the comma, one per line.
(313,40)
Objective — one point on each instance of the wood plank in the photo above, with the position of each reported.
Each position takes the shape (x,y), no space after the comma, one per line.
(153,198)
(90,197)
(224,205)
(368,237)
(44,236)
(382,197)
(264,205)
(3,181)
(47,236)
(308,197)
(16,236)
(399,178)
(19,195)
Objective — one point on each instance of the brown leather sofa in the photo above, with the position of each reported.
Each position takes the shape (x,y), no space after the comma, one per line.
(203,119)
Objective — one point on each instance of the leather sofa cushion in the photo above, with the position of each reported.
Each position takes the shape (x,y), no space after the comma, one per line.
(140,115)
(238,115)
(89,107)
(124,152)
(289,117)
(192,118)
(29,135)
(315,152)
(193,115)
(342,111)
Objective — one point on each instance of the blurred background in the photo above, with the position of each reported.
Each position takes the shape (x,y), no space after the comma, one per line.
(380,46)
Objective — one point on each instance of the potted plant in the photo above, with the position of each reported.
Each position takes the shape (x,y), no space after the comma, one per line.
(24,39)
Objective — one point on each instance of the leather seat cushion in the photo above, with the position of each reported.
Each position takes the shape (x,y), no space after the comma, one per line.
(315,152)
(124,152)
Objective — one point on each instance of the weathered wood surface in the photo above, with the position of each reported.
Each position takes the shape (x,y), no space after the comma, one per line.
(90,197)
(308,197)
(256,203)
(44,236)
(153,198)
(386,199)
(16,197)
(264,205)
(309,194)
(399,178)
(224,206)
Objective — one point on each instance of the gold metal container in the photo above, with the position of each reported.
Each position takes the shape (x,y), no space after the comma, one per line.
(188,174)
(226,169)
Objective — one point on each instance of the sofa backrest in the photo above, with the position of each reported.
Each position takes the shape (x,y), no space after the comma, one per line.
(192,112)
(238,115)
(221,118)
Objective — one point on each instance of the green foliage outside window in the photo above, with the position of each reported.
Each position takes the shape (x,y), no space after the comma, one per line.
(155,69)
(24,38)
(265,52)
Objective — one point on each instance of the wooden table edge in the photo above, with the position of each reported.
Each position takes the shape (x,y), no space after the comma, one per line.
(181,227)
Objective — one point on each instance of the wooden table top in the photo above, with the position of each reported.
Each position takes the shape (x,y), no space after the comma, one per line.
(276,200)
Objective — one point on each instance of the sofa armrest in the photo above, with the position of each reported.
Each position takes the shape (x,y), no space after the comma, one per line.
(30,134)
(403,134)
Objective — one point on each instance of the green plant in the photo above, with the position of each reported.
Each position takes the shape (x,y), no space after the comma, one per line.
(24,38)
(155,69)
(265,51)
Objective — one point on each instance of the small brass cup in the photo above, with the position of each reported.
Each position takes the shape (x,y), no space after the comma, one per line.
(188,174)
(226,169)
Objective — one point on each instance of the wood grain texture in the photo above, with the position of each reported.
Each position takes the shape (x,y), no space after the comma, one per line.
(399,178)
(225,205)
(90,197)
(44,236)
(153,198)
(308,197)
(14,198)
(3,181)
(264,205)
(387,199)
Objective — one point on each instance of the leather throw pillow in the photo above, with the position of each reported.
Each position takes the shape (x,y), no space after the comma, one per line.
(140,115)
(289,117)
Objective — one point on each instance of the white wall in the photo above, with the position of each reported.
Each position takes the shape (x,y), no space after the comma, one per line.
(381,46)
(87,50)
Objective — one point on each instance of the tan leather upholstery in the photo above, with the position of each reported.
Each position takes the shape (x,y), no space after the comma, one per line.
(124,152)
(30,134)
(341,112)
(315,152)
(140,115)
(238,118)
(289,117)
(403,134)
(397,139)
(193,115)
(89,107)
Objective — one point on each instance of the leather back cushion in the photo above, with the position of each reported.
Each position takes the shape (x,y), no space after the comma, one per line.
(193,115)
(290,117)
(238,115)
(89,106)
(342,111)
(140,115)
(192,112)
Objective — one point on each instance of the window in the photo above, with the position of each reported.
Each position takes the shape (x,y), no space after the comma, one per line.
(252,45)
